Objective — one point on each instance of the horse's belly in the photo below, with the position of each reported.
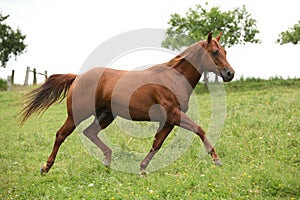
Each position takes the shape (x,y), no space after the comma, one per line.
(138,105)
(122,105)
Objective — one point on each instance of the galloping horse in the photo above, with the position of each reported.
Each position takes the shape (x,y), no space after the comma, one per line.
(160,93)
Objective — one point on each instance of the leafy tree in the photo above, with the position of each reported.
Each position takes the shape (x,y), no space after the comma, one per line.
(11,42)
(292,35)
(237,26)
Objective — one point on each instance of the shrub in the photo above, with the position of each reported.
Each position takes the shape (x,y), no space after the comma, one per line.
(3,84)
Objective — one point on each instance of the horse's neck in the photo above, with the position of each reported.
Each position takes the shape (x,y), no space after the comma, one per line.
(189,71)
(188,63)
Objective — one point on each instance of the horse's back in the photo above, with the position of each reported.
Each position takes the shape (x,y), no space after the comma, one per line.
(85,92)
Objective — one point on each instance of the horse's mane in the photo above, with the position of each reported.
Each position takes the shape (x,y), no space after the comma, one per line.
(192,54)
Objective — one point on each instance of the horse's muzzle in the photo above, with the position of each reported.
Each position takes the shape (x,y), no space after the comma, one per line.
(227,75)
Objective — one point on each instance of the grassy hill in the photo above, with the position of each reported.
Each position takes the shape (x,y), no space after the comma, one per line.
(259,148)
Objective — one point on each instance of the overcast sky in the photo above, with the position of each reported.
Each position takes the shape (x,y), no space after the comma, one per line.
(62,33)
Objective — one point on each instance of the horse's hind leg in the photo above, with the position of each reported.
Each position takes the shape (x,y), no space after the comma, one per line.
(61,135)
(92,133)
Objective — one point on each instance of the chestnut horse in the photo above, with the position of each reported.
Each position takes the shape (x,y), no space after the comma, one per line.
(160,93)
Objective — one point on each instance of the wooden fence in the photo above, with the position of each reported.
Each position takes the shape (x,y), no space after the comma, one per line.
(10,79)
(45,74)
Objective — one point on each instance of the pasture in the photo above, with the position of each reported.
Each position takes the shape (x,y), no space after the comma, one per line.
(259,148)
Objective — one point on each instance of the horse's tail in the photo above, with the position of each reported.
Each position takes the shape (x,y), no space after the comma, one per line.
(39,100)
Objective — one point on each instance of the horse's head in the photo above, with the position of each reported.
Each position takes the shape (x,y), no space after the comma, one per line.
(217,54)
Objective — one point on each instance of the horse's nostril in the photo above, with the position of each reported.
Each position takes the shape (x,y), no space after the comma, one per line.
(229,74)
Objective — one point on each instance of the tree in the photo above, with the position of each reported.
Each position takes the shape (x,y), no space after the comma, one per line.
(237,27)
(11,42)
(292,35)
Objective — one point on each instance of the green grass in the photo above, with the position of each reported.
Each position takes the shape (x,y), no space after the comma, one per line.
(259,148)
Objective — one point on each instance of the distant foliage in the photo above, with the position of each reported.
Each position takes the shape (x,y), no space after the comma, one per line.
(3,84)
(11,41)
(254,84)
(237,26)
(292,35)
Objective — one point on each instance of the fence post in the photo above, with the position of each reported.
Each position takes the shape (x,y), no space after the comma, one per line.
(8,83)
(12,77)
(27,76)
(46,74)
(216,79)
(34,76)
(205,79)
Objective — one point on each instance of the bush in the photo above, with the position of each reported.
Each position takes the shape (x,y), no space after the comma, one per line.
(3,84)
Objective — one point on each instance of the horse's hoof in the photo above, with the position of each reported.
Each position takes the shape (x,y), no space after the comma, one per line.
(106,162)
(218,162)
(143,172)
(43,171)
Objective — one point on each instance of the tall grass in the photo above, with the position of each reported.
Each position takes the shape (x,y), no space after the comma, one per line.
(259,148)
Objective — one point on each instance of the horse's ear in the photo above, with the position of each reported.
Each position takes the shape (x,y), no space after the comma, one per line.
(209,37)
(219,36)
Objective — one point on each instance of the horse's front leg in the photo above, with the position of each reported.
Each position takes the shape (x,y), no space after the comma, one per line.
(160,136)
(182,120)
(92,133)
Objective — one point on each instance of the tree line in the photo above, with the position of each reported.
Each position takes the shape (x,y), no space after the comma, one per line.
(237,26)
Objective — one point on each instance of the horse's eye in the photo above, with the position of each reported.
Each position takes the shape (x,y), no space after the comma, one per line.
(215,53)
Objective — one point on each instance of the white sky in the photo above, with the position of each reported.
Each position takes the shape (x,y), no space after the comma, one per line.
(61,34)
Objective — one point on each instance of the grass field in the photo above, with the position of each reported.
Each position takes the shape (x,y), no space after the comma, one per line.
(259,148)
